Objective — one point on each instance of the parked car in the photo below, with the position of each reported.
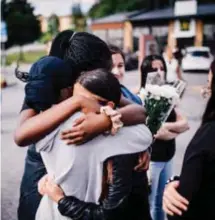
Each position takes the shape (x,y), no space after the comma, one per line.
(197,58)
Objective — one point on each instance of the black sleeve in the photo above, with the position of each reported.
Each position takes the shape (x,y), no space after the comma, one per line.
(193,164)
(115,204)
(25,106)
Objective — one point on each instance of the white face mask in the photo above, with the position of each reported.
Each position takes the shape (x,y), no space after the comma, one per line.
(115,71)
(155,78)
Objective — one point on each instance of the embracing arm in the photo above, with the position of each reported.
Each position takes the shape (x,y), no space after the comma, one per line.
(115,203)
(132,114)
(33,127)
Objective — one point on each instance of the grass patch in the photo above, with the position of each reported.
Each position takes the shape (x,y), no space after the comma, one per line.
(28,57)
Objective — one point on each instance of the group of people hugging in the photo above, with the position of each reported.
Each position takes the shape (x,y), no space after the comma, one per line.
(89,148)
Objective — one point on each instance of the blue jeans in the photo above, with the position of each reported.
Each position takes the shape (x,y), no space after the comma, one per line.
(159,173)
(29,197)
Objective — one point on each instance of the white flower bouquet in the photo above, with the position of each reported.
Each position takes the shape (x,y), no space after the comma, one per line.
(159,102)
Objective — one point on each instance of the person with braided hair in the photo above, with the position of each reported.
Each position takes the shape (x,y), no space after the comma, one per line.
(92,53)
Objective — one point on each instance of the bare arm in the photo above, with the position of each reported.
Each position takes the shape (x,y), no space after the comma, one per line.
(179,73)
(181,124)
(33,127)
(132,114)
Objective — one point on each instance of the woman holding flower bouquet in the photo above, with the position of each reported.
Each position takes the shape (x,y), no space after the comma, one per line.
(197,180)
(153,71)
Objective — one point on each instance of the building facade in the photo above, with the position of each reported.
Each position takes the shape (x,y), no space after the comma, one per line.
(185,24)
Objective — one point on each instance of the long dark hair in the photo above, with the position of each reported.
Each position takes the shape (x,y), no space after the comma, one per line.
(146,67)
(209,114)
(58,46)
(102,83)
(116,50)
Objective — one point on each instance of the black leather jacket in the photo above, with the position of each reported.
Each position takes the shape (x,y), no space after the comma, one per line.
(127,196)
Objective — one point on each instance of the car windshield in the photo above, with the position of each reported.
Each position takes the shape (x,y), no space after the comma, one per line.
(199,54)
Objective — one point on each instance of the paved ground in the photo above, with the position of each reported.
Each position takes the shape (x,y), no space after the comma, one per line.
(12,162)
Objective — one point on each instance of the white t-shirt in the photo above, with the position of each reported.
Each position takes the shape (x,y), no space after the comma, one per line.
(79,169)
(171,69)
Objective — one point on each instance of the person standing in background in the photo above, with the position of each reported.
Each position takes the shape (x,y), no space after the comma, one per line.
(173,69)
(177,52)
(163,148)
(118,69)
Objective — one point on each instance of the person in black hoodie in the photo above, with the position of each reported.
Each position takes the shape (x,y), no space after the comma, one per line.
(194,198)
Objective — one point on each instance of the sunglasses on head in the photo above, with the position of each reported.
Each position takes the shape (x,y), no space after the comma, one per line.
(23,76)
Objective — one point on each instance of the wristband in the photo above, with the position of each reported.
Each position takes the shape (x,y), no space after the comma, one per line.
(172,179)
(115,117)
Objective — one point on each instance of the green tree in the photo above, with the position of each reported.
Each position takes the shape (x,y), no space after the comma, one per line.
(23,26)
(107,7)
(53,25)
(78,18)
(4,10)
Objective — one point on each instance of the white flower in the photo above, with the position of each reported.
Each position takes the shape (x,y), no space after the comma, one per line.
(153,89)
(162,91)
(169,91)
(142,94)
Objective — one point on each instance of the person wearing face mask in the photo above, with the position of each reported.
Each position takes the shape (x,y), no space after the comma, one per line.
(191,196)
(153,70)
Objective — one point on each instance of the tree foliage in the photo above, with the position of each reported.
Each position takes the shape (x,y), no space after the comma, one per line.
(53,25)
(22,25)
(78,18)
(108,7)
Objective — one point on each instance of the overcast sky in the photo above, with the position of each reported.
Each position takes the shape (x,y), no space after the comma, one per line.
(60,7)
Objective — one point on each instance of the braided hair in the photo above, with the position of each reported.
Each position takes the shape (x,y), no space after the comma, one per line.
(82,51)
(87,52)
(58,44)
